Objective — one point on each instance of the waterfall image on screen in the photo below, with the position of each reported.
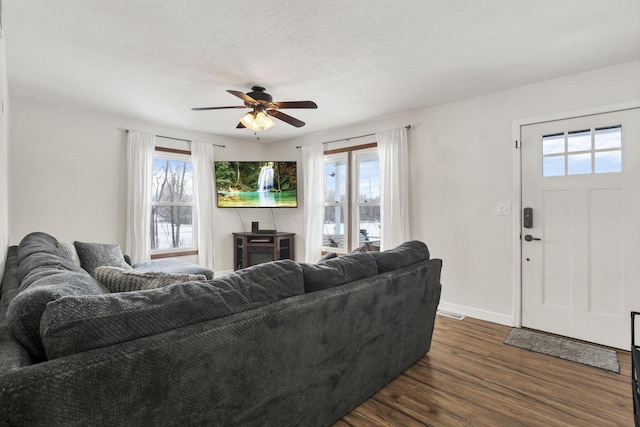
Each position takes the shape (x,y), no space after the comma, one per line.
(256,184)
(265,179)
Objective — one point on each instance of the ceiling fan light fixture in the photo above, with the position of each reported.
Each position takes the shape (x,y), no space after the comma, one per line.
(257,121)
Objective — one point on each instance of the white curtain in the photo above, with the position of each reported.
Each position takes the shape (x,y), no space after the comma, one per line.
(203,194)
(393,151)
(313,166)
(140,148)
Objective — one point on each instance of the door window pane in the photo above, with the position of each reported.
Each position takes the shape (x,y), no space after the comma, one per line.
(333,232)
(553,166)
(579,164)
(553,144)
(603,156)
(608,161)
(608,138)
(579,141)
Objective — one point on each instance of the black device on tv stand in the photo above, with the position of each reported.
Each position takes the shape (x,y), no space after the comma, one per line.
(255,228)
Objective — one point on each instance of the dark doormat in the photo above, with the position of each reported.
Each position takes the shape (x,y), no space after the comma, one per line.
(586,354)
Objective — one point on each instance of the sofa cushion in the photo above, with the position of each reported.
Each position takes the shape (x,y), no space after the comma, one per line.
(9,281)
(94,255)
(70,249)
(173,265)
(403,255)
(25,310)
(45,272)
(327,256)
(41,264)
(37,246)
(118,279)
(38,242)
(80,323)
(338,271)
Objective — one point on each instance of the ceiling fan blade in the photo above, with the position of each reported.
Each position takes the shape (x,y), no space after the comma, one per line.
(286,118)
(243,96)
(215,108)
(295,104)
(240,126)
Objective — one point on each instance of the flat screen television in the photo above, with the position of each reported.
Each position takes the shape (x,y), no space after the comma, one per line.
(256,184)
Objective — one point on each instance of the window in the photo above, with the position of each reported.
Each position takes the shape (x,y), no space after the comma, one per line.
(172,203)
(582,152)
(352,199)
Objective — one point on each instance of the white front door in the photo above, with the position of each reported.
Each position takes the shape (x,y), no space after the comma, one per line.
(581,181)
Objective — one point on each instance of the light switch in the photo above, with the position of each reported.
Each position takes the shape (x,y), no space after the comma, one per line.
(504,208)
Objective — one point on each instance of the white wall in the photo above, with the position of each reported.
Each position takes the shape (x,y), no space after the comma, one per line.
(68,176)
(4,154)
(462,166)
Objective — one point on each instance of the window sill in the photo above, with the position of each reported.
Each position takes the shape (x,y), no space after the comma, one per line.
(174,254)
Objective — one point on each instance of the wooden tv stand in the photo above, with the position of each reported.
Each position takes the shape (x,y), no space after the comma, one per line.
(255,248)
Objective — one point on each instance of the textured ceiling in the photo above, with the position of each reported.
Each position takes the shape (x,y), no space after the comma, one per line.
(155,59)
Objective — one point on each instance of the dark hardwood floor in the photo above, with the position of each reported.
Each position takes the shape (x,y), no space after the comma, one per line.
(470,378)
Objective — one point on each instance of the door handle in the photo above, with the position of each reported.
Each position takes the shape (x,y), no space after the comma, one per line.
(529,238)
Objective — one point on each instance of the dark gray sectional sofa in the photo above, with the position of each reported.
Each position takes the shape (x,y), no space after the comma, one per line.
(278,344)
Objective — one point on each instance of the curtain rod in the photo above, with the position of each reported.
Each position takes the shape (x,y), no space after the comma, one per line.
(353,137)
(180,139)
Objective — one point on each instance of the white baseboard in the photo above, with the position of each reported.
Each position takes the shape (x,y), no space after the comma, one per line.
(488,316)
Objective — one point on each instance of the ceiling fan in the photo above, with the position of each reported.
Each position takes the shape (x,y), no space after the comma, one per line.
(263,106)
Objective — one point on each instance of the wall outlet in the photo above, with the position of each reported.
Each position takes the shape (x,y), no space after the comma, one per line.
(503,208)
